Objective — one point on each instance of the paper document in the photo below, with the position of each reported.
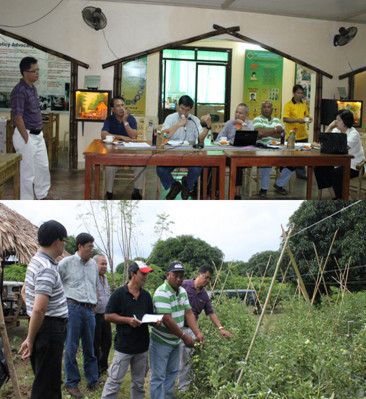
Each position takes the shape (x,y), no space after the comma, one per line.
(151,318)
(177,143)
(134,144)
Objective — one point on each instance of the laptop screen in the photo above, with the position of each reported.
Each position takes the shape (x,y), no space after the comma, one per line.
(244,138)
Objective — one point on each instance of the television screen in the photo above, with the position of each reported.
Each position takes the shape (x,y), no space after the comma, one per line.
(92,105)
(355,107)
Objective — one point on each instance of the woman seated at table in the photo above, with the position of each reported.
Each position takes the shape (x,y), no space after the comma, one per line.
(330,177)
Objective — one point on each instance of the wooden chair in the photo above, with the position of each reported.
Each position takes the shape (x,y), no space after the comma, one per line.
(178,173)
(355,192)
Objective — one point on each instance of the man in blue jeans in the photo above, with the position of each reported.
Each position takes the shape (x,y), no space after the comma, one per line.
(79,276)
(182,126)
(170,299)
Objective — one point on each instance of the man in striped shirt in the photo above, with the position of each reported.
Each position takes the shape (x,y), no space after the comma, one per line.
(269,129)
(47,308)
(170,299)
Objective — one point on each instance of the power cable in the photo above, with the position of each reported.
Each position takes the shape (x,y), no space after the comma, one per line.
(33,22)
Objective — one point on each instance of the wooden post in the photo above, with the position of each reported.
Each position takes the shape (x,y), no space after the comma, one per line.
(7,350)
(266,302)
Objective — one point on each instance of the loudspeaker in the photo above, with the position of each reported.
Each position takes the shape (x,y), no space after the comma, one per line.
(328,111)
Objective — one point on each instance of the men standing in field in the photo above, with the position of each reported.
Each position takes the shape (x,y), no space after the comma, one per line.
(79,275)
(103,332)
(270,128)
(28,136)
(171,300)
(47,308)
(126,308)
(199,300)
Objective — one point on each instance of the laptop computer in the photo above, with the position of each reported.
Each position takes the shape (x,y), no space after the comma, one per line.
(245,138)
(333,143)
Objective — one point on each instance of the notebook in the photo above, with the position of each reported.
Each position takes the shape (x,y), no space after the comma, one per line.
(245,138)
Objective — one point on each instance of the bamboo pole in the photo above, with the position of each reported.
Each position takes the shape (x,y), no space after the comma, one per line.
(7,351)
(237,293)
(265,303)
(250,284)
(294,264)
(279,291)
(264,275)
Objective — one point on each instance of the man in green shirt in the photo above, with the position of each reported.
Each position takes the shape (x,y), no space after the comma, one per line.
(269,129)
(170,299)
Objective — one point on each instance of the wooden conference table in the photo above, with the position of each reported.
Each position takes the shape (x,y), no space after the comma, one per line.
(309,158)
(99,153)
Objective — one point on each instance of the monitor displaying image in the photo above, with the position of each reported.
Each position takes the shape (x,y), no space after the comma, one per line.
(92,105)
(355,107)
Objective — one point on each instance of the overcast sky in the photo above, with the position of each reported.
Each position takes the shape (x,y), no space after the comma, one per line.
(239,228)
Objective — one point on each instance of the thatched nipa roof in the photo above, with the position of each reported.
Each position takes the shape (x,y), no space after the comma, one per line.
(18,236)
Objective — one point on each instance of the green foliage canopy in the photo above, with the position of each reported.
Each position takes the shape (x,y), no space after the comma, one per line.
(188,250)
(349,245)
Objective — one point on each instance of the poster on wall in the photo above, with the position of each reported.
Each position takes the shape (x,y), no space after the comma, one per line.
(262,81)
(303,78)
(134,74)
(53,85)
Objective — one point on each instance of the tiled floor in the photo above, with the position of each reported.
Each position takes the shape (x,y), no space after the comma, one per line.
(68,185)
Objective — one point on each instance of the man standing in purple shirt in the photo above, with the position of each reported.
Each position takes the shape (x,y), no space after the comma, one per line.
(28,137)
(199,300)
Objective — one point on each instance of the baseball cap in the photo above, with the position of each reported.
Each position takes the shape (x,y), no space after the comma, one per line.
(176,267)
(139,265)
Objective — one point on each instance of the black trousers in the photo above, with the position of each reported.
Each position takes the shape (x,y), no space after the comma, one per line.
(46,359)
(102,341)
(329,176)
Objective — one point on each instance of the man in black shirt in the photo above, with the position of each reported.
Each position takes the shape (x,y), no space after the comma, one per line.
(126,307)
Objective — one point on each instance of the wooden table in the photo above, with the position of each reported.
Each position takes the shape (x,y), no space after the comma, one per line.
(10,168)
(99,153)
(309,158)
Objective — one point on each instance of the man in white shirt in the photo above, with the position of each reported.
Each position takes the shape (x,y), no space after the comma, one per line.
(182,126)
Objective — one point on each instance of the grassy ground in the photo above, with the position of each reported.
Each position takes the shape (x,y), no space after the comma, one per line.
(25,374)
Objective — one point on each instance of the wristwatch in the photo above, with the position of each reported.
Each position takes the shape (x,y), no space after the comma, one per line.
(127,124)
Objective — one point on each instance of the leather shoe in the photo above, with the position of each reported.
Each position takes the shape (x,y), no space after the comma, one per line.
(136,196)
(263,193)
(74,391)
(280,190)
(108,196)
(185,189)
(174,190)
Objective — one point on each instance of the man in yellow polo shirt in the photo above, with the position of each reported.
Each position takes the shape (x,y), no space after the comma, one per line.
(295,115)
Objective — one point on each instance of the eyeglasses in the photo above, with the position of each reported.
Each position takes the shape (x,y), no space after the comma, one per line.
(33,71)
(206,277)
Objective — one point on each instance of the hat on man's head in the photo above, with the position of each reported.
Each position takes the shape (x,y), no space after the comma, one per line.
(139,265)
(176,267)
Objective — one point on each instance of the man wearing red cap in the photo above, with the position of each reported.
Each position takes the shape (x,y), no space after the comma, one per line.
(126,307)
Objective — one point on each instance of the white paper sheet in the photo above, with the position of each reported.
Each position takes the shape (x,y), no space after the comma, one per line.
(151,318)
(133,144)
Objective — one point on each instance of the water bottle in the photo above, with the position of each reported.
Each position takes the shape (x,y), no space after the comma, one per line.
(154,134)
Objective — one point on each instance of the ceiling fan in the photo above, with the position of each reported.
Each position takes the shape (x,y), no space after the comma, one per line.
(345,36)
(94,18)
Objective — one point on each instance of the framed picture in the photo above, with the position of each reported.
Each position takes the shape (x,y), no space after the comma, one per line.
(92,105)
